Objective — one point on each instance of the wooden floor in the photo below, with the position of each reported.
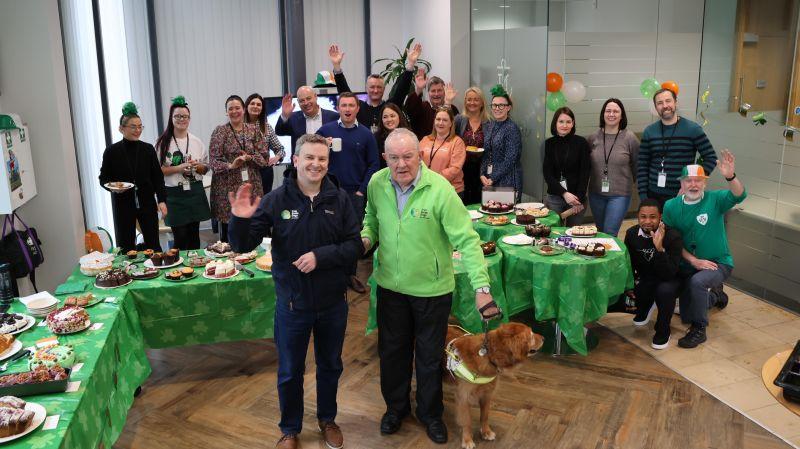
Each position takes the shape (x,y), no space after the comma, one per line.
(223,396)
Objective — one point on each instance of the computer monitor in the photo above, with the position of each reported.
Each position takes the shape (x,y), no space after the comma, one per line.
(272,105)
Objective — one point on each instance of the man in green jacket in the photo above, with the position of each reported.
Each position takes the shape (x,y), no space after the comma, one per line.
(419,220)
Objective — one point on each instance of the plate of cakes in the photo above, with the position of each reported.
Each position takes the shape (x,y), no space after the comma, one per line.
(219,249)
(19,418)
(118,186)
(15,323)
(496,208)
(180,275)
(167,259)
(87,300)
(68,320)
(496,220)
(194,260)
(591,250)
(112,279)
(244,258)
(142,273)
(9,346)
(547,250)
(489,248)
(220,269)
(582,231)
(264,263)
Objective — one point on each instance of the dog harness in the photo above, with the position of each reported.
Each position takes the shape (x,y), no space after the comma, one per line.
(458,368)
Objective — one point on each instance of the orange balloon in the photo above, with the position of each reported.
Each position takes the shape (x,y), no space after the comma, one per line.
(671,85)
(554,82)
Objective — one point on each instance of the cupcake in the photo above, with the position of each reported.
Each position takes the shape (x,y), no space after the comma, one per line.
(157,260)
(132,254)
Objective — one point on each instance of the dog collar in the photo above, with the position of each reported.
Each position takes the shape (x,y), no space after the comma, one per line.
(457,367)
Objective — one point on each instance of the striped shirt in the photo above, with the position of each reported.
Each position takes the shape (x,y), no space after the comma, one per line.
(674,146)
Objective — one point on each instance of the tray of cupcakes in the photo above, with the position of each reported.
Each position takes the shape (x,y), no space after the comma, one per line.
(167,259)
(180,275)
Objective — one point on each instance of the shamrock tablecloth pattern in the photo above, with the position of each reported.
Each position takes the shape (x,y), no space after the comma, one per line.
(569,288)
(488,232)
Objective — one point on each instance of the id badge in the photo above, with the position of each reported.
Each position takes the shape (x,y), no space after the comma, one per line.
(662,179)
(245,175)
(489,170)
(605,186)
(186,186)
(563,183)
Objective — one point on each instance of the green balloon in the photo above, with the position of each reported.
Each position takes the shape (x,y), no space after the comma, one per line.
(555,100)
(649,87)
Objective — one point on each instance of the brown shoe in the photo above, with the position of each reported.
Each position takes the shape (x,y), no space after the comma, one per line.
(356,284)
(288,441)
(332,434)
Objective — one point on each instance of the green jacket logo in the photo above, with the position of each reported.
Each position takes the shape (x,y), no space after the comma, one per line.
(420,213)
(285,214)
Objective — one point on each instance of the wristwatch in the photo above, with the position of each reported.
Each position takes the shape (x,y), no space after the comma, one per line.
(731,178)
(484,289)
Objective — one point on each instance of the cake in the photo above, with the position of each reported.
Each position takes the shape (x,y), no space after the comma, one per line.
(264,262)
(157,259)
(148,253)
(245,257)
(67,320)
(524,218)
(547,249)
(497,220)
(497,207)
(111,279)
(95,263)
(141,272)
(220,269)
(537,230)
(583,230)
(50,356)
(170,257)
(174,275)
(38,375)
(81,300)
(488,248)
(6,341)
(14,419)
(591,249)
(219,248)
(12,322)
(187,271)
(132,254)
(537,213)
(196,261)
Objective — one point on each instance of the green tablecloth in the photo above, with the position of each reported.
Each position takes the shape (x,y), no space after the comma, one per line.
(489,232)
(114,365)
(569,288)
(463,307)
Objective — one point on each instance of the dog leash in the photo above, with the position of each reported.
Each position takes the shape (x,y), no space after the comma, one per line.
(484,349)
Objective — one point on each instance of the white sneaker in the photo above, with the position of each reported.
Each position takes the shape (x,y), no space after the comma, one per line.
(646,318)
(664,345)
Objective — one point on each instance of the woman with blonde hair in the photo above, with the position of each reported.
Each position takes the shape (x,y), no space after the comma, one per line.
(443,151)
(469,126)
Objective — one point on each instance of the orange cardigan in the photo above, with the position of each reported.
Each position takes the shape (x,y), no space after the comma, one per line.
(447,161)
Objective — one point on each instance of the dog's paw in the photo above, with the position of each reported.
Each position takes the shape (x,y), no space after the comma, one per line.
(467,444)
(488,435)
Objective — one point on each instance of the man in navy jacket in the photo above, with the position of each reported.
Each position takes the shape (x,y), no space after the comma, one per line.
(307,120)
(315,241)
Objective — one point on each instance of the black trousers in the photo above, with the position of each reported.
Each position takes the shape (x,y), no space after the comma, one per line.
(473,189)
(187,236)
(267,177)
(223,232)
(664,294)
(125,218)
(412,329)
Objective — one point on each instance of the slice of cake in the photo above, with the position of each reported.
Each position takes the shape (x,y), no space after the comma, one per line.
(264,262)
(67,320)
(14,419)
(6,341)
(50,356)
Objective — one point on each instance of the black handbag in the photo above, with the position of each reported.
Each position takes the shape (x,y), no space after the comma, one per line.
(20,248)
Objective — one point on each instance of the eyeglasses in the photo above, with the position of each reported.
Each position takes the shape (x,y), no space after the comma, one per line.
(499,106)
(180,117)
(134,127)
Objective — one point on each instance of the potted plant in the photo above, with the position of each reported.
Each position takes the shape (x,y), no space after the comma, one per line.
(395,67)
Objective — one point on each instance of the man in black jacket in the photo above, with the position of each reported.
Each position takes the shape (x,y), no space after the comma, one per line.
(315,239)
(655,256)
(369,112)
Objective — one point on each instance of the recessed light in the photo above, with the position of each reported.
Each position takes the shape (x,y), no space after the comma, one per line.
(505,6)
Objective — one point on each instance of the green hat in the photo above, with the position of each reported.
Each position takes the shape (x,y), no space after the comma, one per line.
(324,79)
(7,122)
(696,171)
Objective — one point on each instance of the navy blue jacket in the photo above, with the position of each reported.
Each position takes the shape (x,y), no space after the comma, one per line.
(328,227)
(296,125)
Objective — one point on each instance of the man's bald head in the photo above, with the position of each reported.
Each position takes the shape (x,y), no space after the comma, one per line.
(307,99)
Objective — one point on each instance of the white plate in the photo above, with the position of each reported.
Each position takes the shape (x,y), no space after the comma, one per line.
(125,186)
(39,414)
(149,264)
(110,288)
(13,349)
(518,239)
(39,300)
(235,272)
(475,215)
(31,322)
(569,233)
(496,213)
(86,323)
(514,222)
(529,206)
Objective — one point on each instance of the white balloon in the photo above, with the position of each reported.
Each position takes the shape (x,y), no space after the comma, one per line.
(574,91)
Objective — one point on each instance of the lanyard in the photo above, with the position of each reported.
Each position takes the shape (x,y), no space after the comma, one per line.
(179,148)
(664,144)
(607,156)
(235,136)
(433,152)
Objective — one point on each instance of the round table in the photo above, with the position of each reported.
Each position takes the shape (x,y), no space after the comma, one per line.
(571,289)
(489,232)
(770,371)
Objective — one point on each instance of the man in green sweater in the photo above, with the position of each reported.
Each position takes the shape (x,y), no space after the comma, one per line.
(699,216)
(418,219)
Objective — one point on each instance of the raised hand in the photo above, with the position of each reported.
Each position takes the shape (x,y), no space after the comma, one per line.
(658,237)
(286,106)
(420,80)
(336,56)
(450,93)
(413,55)
(726,163)
(243,204)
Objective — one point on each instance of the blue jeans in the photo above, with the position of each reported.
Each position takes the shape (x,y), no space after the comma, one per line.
(609,211)
(293,329)
(697,296)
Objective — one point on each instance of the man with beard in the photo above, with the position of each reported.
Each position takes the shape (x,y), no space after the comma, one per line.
(655,257)
(667,146)
(699,216)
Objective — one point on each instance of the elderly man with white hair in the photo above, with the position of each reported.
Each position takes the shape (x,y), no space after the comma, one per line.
(418,219)
(699,215)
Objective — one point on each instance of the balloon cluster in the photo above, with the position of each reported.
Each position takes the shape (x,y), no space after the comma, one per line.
(561,92)
(650,86)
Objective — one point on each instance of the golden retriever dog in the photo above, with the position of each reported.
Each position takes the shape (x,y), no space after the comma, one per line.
(508,345)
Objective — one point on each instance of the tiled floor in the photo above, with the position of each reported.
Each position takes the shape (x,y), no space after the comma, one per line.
(740,339)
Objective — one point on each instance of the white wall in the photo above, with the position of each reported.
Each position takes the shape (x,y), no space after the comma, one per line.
(33,84)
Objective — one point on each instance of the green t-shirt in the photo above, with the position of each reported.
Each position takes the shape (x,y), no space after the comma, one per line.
(702,225)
